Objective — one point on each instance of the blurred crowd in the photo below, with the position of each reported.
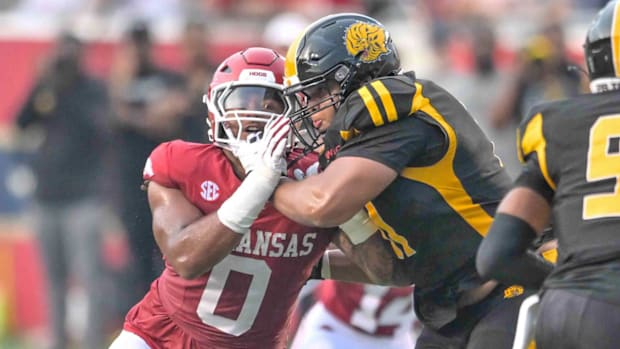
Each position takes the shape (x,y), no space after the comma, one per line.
(83,136)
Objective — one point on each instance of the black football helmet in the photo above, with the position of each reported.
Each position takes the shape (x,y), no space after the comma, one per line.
(336,53)
(602,49)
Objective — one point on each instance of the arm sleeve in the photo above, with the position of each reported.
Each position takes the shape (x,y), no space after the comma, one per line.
(503,254)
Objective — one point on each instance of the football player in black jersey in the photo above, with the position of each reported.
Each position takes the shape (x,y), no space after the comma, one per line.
(571,149)
(410,156)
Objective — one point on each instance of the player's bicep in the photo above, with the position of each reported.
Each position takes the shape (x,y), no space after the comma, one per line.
(171,213)
(368,163)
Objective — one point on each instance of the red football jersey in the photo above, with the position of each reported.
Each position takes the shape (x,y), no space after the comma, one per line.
(245,300)
(375,310)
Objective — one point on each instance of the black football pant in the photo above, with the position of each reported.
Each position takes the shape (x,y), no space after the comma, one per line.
(568,320)
(488,324)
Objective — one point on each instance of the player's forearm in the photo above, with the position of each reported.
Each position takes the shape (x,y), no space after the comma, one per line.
(292,199)
(343,269)
(503,254)
(309,203)
(199,246)
(332,197)
(375,260)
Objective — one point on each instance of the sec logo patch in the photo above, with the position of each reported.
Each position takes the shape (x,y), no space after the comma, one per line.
(209,191)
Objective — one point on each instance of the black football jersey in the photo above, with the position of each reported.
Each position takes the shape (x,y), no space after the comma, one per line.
(436,212)
(572,151)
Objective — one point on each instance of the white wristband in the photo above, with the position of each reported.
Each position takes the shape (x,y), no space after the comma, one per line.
(244,205)
(359,227)
(326,271)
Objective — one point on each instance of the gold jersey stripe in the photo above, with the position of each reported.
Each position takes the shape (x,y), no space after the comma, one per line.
(400,245)
(397,251)
(371,106)
(386,99)
(551,255)
(348,134)
(533,140)
(441,175)
(615,38)
(417,102)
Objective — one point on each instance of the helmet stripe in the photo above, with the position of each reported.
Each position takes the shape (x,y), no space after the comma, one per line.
(290,64)
(615,38)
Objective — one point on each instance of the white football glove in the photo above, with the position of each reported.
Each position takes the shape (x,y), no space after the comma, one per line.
(241,209)
(267,150)
(247,151)
(273,144)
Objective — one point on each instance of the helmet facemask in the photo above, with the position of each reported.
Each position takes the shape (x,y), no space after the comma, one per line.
(241,110)
(314,95)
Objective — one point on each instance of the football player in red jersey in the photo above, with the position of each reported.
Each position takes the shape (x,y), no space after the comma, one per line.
(353,315)
(234,265)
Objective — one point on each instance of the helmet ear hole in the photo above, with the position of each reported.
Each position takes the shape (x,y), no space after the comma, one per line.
(599,59)
(341,73)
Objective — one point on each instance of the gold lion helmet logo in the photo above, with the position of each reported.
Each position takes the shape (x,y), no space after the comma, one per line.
(367,39)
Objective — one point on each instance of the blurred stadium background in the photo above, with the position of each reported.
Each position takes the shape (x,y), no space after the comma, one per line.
(475,48)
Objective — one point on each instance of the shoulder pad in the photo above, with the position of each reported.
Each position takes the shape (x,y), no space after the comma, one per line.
(376,103)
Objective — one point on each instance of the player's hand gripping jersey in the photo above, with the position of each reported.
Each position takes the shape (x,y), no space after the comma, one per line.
(557,138)
(245,300)
(442,203)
